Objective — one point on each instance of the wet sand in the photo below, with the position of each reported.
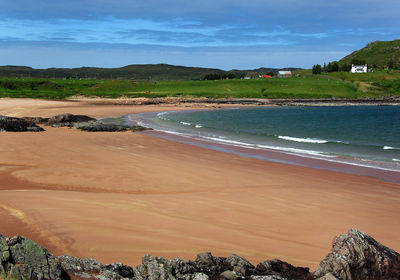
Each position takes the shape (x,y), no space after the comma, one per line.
(119,196)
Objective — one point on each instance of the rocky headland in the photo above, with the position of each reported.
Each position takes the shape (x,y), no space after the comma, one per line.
(354,256)
(82,122)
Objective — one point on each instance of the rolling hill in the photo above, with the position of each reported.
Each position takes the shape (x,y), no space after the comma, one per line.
(379,54)
(155,72)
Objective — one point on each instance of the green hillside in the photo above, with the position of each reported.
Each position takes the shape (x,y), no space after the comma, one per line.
(379,54)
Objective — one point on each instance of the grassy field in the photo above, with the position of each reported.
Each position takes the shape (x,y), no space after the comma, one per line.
(302,85)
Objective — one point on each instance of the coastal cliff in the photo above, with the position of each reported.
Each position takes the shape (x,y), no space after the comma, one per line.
(354,256)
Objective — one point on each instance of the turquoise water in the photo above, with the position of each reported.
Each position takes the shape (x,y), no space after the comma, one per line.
(367,135)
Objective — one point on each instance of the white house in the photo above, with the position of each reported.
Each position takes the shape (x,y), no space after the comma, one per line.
(284,74)
(359,68)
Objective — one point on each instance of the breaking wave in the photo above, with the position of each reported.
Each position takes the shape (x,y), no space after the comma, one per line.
(303,140)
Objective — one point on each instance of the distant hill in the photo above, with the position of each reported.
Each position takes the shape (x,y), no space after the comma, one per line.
(380,54)
(137,72)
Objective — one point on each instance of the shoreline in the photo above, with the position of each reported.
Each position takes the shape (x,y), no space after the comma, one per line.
(136,194)
(389,101)
(349,166)
(270,155)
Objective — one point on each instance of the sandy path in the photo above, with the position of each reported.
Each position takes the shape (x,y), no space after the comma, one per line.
(118,196)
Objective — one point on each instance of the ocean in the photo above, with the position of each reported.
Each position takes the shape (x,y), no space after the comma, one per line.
(366,136)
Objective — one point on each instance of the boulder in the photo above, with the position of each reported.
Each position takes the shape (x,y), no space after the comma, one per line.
(229,275)
(18,125)
(280,268)
(357,256)
(239,265)
(95,126)
(24,259)
(77,268)
(68,120)
(210,265)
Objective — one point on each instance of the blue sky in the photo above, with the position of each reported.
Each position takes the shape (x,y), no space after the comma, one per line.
(235,34)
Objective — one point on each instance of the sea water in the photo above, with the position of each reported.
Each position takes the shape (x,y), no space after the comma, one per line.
(366,135)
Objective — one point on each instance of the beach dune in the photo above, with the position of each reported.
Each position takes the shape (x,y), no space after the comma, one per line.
(119,196)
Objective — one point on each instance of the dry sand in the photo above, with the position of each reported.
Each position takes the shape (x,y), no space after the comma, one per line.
(119,196)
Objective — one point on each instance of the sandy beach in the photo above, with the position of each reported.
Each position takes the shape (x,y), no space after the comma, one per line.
(118,196)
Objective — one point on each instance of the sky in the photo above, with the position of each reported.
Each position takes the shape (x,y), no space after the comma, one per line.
(234,34)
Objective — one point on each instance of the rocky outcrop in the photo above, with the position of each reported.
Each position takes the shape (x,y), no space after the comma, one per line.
(357,256)
(67,120)
(18,125)
(22,258)
(283,269)
(95,126)
(81,122)
(354,256)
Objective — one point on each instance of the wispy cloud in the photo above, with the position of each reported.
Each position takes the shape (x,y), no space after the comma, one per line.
(315,26)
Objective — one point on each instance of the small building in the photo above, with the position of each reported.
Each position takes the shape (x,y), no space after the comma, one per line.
(359,68)
(266,76)
(284,74)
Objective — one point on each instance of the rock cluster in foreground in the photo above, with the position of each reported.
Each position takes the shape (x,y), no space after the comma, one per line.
(17,125)
(81,122)
(354,255)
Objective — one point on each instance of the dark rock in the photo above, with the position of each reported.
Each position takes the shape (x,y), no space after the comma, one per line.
(36,120)
(153,268)
(182,268)
(239,265)
(279,268)
(68,120)
(121,269)
(357,256)
(210,265)
(95,126)
(82,268)
(228,275)
(18,125)
(77,268)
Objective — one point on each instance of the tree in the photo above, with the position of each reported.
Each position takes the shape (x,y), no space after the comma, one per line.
(317,69)
(345,67)
(332,67)
(230,76)
(212,76)
(270,73)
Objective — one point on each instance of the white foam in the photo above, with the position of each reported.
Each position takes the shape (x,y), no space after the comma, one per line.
(185,123)
(198,126)
(232,142)
(396,159)
(303,140)
(162,114)
(390,148)
(293,150)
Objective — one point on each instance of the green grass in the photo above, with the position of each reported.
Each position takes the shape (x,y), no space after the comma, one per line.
(373,84)
(302,85)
